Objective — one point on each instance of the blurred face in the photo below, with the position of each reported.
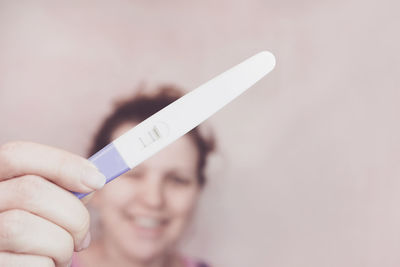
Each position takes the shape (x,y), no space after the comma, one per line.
(145,211)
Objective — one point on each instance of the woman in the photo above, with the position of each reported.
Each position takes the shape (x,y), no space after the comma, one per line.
(142,214)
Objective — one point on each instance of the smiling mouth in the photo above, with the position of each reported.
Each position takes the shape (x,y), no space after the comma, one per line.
(147,222)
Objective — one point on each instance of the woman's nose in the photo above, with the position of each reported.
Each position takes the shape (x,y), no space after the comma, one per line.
(151,193)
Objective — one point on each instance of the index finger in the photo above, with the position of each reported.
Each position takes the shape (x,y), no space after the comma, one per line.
(63,168)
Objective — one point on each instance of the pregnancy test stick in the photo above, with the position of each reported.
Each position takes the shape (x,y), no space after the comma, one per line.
(178,118)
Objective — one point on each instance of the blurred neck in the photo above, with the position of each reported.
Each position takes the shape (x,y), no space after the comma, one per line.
(102,254)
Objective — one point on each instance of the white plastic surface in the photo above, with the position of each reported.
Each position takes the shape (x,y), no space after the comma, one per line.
(190,110)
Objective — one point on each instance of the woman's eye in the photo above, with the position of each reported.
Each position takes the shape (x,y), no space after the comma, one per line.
(134,174)
(179,180)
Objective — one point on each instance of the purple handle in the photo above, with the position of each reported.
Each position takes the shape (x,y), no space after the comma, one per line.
(109,162)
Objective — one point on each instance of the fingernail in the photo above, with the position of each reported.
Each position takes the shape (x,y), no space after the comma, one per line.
(94,179)
(86,242)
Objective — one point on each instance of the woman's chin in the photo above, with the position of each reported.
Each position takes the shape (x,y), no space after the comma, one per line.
(146,241)
(144,252)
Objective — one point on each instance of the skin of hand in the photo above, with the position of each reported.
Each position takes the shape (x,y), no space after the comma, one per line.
(41,222)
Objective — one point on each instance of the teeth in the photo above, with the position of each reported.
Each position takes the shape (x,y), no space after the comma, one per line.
(147,222)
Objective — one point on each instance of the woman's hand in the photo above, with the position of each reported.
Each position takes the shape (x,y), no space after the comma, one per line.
(41,222)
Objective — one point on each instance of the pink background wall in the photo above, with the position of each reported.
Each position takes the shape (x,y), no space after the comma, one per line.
(308,169)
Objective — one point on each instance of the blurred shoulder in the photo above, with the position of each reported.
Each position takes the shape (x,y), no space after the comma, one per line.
(189,262)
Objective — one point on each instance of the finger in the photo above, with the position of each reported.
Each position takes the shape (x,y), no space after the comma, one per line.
(36,195)
(86,199)
(26,233)
(20,260)
(63,168)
